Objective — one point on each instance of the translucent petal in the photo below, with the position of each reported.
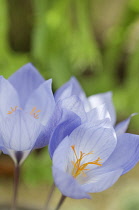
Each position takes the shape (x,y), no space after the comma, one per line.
(72,87)
(25,81)
(100,140)
(63,129)
(98,113)
(8,98)
(75,105)
(104,98)
(125,155)
(101,182)
(121,127)
(68,185)
(41,103)
(19,131)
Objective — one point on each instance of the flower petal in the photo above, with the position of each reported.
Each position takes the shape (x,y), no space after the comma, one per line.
(63,129)
(101,182)
(104,98)
(8,97)
(43,138)
(42,100)
(75,105)
(121,127)
(100,140)
(19,131)
(72,87)
(98,113)
(60,156)
(68,185)
(63,92)
(125,155)
(25,81)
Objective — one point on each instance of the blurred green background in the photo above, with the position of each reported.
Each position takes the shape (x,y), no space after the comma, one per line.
(96,41)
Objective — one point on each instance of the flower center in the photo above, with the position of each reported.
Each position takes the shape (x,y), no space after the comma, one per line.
(12,110)
(79,168)
(35,112)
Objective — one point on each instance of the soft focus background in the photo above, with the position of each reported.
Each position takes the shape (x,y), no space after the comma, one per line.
(98,42)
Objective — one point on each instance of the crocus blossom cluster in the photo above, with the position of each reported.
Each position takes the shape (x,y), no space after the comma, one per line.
(88,151)
(93,155)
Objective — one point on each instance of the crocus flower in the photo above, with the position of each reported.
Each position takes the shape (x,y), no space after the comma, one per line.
(73,88)
(91,159)
(27,104)
(70,114)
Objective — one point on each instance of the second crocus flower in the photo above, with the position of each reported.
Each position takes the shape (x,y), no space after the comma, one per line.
(91,159)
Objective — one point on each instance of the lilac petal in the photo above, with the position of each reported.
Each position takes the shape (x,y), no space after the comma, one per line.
(125,155)
(63,92)
(75,105)
(60,156)
(25,81)
(62,130)
(68,185)
(42,99)
(101,182)
(8,97)
(42,140)
(44,137)
(100,140)
(121,127)
(19,131)
(60,116)
(72,87)
(104,98)
(106,123)
(98,113)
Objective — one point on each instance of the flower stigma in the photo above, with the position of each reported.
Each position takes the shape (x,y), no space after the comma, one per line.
(35,112)
(12,110)
(79,168)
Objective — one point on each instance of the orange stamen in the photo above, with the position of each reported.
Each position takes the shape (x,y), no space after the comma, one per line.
(12,110)
(35,112)
(79,168)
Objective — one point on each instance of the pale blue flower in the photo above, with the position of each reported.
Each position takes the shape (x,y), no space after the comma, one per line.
(26,107)
(91,159)
(70,114)
(73,88)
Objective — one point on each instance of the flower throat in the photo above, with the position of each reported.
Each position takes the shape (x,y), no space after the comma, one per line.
(79,168)
(34,112)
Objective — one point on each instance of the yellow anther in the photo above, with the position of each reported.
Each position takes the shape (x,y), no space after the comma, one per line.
(12,110)
(34,113)
(79,168)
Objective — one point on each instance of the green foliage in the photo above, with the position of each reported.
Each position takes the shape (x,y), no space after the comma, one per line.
(63,41)
(37,168)
(9,60)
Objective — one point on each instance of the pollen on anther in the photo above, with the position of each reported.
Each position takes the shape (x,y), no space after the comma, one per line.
(78,167)
(12,110)
(35,112)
